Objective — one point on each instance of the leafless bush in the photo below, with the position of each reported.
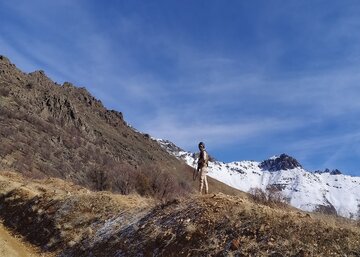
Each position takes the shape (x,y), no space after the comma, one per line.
(159,184)
(45,151)
(164,186)
(47,169)
(6,131)
(4,92)
(51,120)
(18,101)
(143,184)
(125,179)
(275,195)
(58,154)
(77,165)
(100,179)
(19,165)
(6,149)
(21,128)
(258,195)
(34,174)
(68,143)
(6,113)
(271,196)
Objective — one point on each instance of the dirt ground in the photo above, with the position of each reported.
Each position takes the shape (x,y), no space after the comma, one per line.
(68,220)
(11,246)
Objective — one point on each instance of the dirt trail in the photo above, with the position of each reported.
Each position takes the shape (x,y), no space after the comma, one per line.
(14,247)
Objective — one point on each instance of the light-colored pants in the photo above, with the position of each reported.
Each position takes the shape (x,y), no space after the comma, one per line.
(203,180)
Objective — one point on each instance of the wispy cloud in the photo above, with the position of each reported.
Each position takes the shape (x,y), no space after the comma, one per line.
(289,71)
(186,132)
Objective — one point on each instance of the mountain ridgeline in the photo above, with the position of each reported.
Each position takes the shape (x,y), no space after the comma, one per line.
(282,162)
(327,191)
(62,131)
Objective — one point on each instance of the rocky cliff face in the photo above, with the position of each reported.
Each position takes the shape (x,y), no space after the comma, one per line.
(282,162)
(49,129)
(331,172)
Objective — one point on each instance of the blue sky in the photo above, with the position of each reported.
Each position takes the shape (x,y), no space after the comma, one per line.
(251,79)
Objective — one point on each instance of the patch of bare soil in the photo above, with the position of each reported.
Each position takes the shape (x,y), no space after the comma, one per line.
(12,246)
(67,220)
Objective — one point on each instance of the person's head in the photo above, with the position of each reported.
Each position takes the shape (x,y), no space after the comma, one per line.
(201,146)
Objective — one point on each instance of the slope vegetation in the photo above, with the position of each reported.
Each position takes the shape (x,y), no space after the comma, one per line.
(52,130)
(67,220)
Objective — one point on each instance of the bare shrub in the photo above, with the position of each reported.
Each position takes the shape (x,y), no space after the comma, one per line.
(77,165)
(271,196)
(6,149)
(164,186)
(275,196)
(122,178)
(6,113)
(4,92)
(150,181)
(159,184)
(143,184)
(20,165)
(124,184)
(18,100)
(58,154)
(100,179)
(258,195)
(44,167)
(28,159)
(7,131)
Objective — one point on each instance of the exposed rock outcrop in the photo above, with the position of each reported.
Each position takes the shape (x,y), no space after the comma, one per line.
(282,162)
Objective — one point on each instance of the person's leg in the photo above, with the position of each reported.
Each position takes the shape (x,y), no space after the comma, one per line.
(201,180)
(206,184)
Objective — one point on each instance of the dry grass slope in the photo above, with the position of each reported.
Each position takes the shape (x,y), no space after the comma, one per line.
(68,220)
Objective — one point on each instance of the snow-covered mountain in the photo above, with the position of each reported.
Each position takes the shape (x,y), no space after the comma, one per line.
(309,191)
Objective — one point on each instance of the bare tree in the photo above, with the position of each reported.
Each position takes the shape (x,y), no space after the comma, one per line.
(99,179)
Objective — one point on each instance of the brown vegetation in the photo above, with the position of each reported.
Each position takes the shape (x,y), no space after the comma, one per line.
(272,196)
(69,220)
(62,131)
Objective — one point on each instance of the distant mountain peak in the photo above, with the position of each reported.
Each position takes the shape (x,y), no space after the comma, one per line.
(331,172)
(169,146)
(280,162)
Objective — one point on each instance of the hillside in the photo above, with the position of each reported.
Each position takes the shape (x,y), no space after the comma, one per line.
(62,131)
(77,180)
(64,219)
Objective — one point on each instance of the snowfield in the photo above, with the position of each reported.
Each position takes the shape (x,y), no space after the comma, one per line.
(306,190)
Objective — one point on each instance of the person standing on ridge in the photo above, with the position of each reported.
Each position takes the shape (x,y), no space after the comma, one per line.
(202,166)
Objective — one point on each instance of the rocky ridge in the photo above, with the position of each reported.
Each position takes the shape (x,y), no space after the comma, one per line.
(282,162)
(53,130)
(48,129)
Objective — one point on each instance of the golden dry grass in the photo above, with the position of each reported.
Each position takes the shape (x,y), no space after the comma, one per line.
(64,218)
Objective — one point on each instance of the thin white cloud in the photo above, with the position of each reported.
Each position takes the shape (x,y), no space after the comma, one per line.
(325,142)
(253,91)
(185,133)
